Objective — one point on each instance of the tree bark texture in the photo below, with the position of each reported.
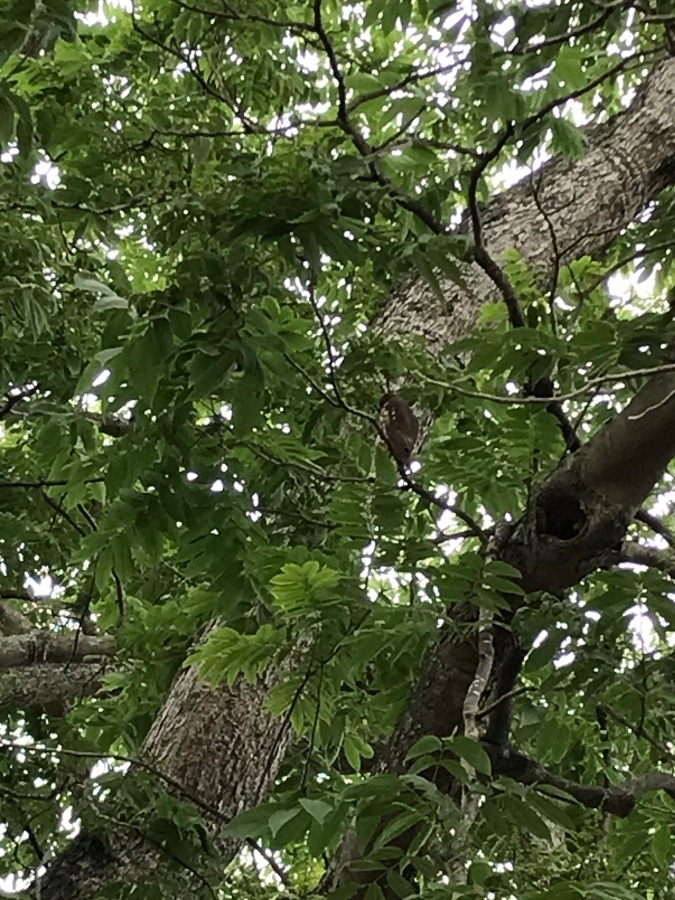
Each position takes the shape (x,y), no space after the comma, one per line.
(223,750)
(628,161)
(48,687)
(216,741)
(40,646)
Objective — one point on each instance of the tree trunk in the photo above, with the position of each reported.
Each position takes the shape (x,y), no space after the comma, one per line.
(214,747)
(573,525)
(218,743)
(628,161)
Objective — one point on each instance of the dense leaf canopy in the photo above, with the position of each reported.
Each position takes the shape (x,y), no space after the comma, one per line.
(207,209)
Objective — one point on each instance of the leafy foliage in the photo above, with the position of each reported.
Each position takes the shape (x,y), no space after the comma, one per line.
(188,223)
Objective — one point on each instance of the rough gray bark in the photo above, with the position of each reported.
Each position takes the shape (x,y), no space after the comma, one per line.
(11,620)
(628,162)
(220,743)
(47,687)
(216,748)
(40,646)
(588,203)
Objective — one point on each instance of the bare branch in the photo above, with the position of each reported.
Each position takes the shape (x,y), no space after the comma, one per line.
(39,646)
(624,261)
(557,39)
(16,396)
(470,803)
(232,16)
(479,250)
(555,271)
(639,555)
(618,800)
(118,757)
(656,525)
(46,482)
(561,398)
(362,146)
(639,731)
(414,77)
(47,688)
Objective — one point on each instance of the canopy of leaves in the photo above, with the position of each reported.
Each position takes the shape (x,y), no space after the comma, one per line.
(204,206)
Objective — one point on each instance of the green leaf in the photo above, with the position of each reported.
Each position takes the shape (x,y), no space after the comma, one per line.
(527,817)
(317,809)
(429,744)
(281,818)
(108,299)
(472,752)
(407,819)
(250,822)
(352,752)
(399,885)
(6,121)
(662,846)
(480,872)
(567,138)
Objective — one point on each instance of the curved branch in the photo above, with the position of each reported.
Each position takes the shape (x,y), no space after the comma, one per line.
(618,800)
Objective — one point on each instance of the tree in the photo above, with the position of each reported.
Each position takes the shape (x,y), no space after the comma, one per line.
(229,619)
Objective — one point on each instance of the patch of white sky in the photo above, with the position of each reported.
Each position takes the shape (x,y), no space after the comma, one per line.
(630,292)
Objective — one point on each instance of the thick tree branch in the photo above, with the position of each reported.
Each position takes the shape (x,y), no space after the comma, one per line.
(578,518)
(651,557)
(11,620)
(42,647)
(48,688)
(617,800)
(624,167)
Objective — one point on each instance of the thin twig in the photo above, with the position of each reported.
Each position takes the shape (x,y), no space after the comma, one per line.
(555,274)
(656,525)
(364,149)
(118,757)
(509,695)
(624,261)
(315,723)
(568,35)
(281,874)
(59,510)
(479,250)
(43,483)
(571,395)
(638,731)
(14,398)
(232,16)
(308,378)
(416,488)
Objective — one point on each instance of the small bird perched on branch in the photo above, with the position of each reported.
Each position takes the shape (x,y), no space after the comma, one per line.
(400,426)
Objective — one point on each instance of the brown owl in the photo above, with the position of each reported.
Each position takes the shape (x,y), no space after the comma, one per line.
(400,426)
